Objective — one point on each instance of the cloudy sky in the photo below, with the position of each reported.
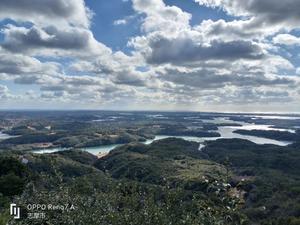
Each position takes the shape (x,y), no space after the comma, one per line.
(204,55)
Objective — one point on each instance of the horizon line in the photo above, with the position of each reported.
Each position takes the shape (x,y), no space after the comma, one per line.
(140,110)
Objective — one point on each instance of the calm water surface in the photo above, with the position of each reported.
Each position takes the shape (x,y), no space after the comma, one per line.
(225,132)
(5,136)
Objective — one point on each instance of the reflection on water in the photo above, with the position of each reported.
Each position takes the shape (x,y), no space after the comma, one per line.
(93,150)
(225,132)
(187,138)
(5,136)
(49,150)
(218,120)
(277,117)
(100,149)
(264,127)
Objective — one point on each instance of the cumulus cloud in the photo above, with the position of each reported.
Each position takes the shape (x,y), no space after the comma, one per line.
(286,39)
(171,61)
(266,11)
(236,29)
(47,12)
(17,64)
(160,17)
(118,67)
(31,40)
(213,79)
(170,38)
(255,19)
(255,95)
(180,50)
(3,91)
(5,94)
(56,28)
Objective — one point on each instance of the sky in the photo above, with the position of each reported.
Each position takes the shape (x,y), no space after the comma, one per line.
(187,55)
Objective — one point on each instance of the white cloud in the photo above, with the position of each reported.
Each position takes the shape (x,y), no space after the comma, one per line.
(286,39)
(22,65)
(47,12)
(160,17)
(6,95)
(259,17)
(269,12)
(51,41)
(172,62)
(120,22)
(3,90)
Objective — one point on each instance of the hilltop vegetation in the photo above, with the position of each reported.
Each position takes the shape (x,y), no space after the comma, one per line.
(271,178)
(168,191)
(167,182)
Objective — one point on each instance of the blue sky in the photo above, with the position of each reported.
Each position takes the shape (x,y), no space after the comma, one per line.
(116,37)
(204,55)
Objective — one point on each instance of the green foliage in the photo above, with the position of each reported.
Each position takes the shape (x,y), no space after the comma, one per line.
(79,156)
(167,182)
(272,134)
(4,218)
(159,162)
(32,138)
(13,176)
(271,174)
(11,185)
(12,165)
(101,200)
(179,130)
(144,190)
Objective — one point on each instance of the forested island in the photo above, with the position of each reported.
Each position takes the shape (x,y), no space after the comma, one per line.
(272,134)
